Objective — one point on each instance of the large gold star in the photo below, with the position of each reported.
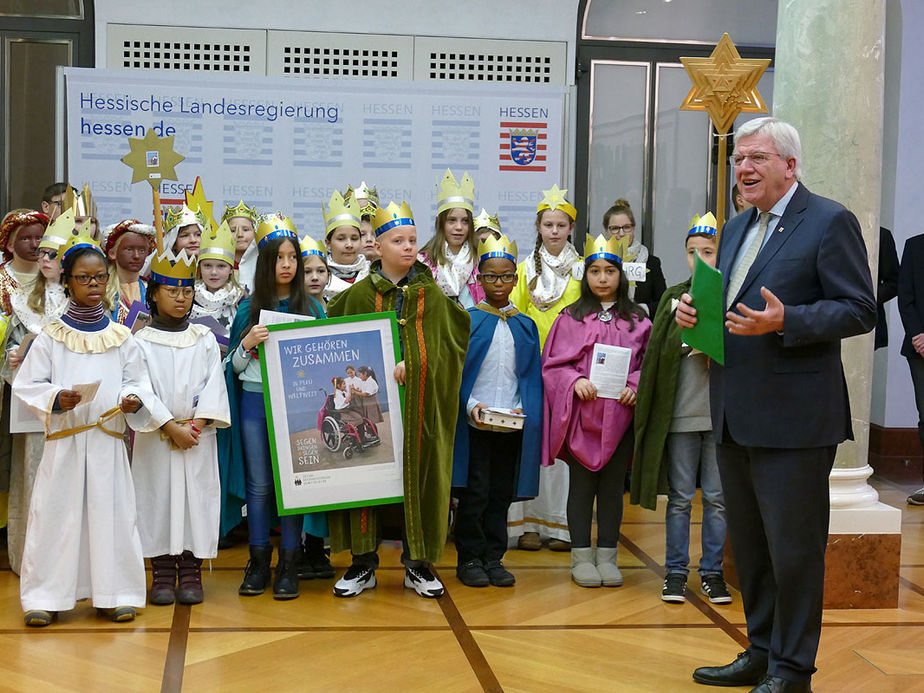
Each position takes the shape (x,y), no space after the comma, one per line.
(197,201)
(724,84)
(152,159)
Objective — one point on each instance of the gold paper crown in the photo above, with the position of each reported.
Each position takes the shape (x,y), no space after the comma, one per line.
(59,231)
(82,205)
(340,211)
(601,247)
(174,270)
(705,224)
(196,201)
(240,210)
(452,195)
(497,247)
(555,199)
(79,239)
(392,216)
(309,246)
(363,192)
(275,226)
(183,216)
(218,245)
(486,221)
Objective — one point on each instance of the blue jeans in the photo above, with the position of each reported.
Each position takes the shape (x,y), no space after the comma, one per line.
(258,473)
(689,453)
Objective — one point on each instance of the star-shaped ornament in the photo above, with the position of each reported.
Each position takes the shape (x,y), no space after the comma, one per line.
(724,85)
(196,201)
(554,197)
(152,159)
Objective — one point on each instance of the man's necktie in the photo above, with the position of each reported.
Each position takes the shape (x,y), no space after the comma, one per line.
(741,271)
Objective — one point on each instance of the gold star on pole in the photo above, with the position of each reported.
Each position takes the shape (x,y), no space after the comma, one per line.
(152,159)
(724,84)
(196,201)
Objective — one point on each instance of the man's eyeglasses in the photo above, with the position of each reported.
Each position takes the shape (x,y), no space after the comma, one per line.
(757,158)
(506,278)
(85,279)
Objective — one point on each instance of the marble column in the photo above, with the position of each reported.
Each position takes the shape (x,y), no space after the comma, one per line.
(828,82)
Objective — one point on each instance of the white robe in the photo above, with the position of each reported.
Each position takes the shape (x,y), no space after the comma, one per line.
(81,536)
(177,491)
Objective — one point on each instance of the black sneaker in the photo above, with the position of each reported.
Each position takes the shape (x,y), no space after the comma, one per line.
(714,588)
(472,574)
(499,575)
(916,498)
(422,580)
(356,579)
(675,586)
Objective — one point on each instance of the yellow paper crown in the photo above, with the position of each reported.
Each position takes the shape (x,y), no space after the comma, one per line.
(453,195)
(174,270)
(497,247)
(363,192)
(705,224)
(183,216)
(392,216)
(59,231)
(309,246)
(79,239)
(601,247)
(82,205)
(218,245)
(196,201)
(555,199)
(340,211)
(275,226)
(486,221)
(240,210)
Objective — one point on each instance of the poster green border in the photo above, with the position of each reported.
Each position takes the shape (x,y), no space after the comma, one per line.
(270,428)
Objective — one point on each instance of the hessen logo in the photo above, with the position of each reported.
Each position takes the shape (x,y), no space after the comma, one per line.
(522,146)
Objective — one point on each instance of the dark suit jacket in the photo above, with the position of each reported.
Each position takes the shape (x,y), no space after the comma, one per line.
(649,291)
(788,391)
(911,292)
(887,288)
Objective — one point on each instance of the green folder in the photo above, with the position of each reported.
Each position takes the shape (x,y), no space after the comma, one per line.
(709,333)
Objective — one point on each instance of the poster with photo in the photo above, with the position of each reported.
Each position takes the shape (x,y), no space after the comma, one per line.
(333,412)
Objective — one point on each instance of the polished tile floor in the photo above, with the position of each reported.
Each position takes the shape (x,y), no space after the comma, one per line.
(544,634)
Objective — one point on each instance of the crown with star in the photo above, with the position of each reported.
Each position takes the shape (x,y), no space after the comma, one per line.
(455,195)
(601,248)
(174,269)
(497,247)
(486,221)
(387,218)
(309,247)
(79,238)
(240,210)
(340,211)
(705,225)
(275,226)
(183,216)
(554,198)
(218,245)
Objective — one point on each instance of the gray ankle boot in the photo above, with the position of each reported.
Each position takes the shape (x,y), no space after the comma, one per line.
(583,570)
(606,566)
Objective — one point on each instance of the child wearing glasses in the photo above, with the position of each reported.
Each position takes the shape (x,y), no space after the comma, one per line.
(175,456)
(83,376)
(619,223)
(493,465)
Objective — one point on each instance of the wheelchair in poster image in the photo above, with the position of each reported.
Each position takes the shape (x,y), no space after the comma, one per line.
(339,435)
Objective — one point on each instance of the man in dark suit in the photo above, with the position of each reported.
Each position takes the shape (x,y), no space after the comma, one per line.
(779,404)
(911,309)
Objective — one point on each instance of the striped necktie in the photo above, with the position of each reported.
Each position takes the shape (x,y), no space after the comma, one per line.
(741,271)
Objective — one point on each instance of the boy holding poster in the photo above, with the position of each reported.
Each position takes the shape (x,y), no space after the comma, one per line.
(433,332)
(494,465)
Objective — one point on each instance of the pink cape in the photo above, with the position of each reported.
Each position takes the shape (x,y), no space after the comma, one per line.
(590,431)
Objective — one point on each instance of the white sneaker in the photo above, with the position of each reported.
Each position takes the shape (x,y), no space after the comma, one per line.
(423,581)
(354,581)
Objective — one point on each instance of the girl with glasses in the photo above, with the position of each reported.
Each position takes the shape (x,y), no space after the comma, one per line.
(619,222)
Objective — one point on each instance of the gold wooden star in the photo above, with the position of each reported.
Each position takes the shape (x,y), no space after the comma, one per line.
(724,84)
(196,201)
(152,159)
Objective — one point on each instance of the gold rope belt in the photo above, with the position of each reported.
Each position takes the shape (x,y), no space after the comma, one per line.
(167,438)
(104,417)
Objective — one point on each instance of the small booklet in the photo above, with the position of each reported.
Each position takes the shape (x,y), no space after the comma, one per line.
(275,317)
(24,345)
(87,391)
(505,418)
(609,369)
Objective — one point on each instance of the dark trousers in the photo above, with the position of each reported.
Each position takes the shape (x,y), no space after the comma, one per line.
(607,486)
(916,364)
(481,516)
(777,510)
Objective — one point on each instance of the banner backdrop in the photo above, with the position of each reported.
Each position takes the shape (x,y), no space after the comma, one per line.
(286,144)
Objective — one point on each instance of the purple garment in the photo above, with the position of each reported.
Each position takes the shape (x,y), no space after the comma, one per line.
(589,431)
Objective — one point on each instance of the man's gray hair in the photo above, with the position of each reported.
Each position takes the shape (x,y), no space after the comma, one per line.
(785,137)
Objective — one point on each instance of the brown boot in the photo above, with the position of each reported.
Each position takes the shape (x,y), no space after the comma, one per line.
(163,580)
(190,587)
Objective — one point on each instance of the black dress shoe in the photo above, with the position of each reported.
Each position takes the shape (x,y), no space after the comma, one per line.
(774,684)
(744,671)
